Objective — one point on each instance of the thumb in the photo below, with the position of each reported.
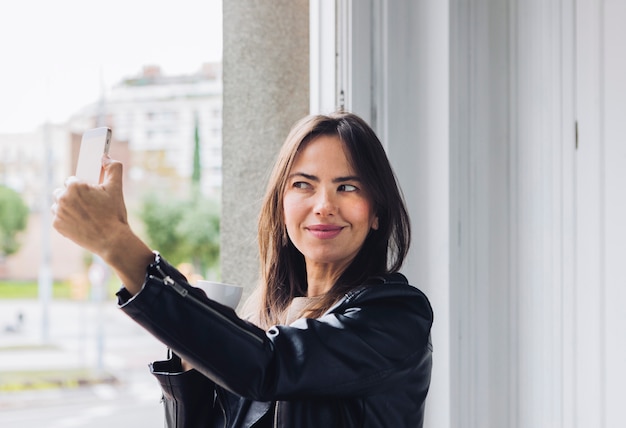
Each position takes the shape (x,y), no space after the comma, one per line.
(113,172)
(112,186)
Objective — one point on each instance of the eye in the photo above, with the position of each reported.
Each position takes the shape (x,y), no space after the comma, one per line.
(300,185)
(347,188)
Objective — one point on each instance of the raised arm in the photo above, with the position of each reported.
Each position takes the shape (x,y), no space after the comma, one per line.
(95,218)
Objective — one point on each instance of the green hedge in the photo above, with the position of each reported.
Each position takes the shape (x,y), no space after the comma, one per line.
(60,289)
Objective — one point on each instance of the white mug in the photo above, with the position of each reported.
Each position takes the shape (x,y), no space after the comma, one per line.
(226,294)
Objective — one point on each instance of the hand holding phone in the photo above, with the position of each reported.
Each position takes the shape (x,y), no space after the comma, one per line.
(94,144)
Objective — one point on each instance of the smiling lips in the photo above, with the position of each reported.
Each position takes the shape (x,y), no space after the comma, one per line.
(324,231)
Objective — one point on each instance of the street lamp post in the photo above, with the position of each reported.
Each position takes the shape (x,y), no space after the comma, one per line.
(45,274)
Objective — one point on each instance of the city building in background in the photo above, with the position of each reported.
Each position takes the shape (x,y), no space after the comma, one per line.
(23,157)
(158,123)
(160,116)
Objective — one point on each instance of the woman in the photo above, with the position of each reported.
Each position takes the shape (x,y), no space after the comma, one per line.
(334,337)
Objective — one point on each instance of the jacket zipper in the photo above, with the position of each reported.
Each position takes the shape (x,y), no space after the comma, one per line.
(276,414)
(219,401)
(167,280)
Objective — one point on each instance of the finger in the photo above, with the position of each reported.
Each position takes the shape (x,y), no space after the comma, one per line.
(110,164)
(70,180)
(57,193)
(113,172)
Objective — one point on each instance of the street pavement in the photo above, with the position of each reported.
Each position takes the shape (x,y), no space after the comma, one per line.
(86,366)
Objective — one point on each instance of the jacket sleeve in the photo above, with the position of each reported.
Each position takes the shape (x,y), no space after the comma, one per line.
(356,348)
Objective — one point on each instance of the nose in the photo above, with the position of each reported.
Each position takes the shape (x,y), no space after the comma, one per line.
(325,203)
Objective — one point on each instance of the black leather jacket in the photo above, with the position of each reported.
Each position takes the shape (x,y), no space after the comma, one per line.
(365,363)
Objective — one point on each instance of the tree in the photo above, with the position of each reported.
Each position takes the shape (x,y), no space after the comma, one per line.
(199,230)
(197,167)
(13,219)
(186,230)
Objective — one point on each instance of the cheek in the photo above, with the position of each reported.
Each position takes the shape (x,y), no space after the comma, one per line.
(365,212)
(291,210)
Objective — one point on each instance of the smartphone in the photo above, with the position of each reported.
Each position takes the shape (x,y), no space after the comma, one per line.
(94,144)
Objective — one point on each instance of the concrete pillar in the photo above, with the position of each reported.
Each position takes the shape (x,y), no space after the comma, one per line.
(266,89)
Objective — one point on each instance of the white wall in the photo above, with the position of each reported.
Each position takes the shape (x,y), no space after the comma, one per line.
(599,290)
(536,316)
(614,70)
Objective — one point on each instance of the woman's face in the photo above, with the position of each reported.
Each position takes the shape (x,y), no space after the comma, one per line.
(327,211)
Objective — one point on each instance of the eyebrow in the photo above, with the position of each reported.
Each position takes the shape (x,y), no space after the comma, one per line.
(334,180)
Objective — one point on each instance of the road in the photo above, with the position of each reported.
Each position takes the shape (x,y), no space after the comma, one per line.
(102,406)
(80,335)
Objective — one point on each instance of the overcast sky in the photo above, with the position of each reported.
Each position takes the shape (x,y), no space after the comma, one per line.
(56,53)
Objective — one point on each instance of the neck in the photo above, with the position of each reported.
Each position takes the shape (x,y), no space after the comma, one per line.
(320,283)
(321,277)
(314,290)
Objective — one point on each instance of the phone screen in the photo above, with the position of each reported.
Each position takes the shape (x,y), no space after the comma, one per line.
(94,144)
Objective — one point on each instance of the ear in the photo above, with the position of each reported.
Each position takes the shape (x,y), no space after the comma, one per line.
(375,223)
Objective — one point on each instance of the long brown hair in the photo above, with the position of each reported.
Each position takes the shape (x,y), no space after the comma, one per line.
(283,270)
